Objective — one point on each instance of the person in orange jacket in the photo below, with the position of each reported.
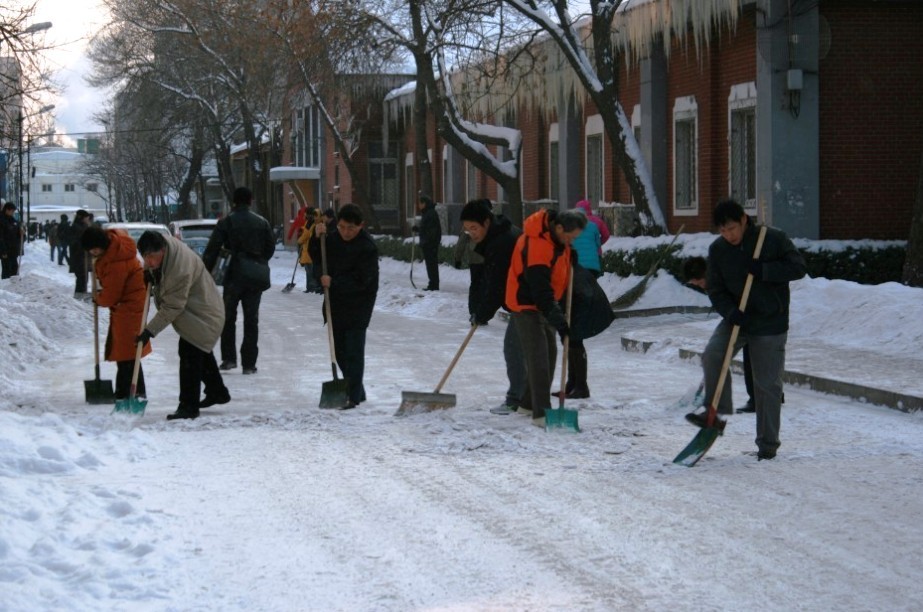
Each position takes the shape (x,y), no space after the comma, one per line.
(123,293)
(304,257)
(537,281)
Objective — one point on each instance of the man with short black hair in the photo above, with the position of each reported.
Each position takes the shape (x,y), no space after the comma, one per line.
(764,323)
(352,286)
(78,257)
(249,237)
(186,298)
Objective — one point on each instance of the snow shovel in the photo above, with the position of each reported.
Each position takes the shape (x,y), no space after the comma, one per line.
(714,426)
(134,404)
(562,418)
(288,288)
(634,294)
(97,391)
(334,393)
(414,402)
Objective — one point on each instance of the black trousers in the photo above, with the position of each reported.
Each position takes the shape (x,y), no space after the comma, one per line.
(9,266)
(123,374)
(431,257)
(249,299)
(349,346)
(195,368)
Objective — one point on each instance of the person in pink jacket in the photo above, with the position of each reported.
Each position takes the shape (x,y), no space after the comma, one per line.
(603,228)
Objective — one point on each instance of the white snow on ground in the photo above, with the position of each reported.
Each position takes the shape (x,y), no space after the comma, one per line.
(269,503)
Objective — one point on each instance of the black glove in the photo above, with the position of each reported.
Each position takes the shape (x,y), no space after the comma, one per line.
(755,267)
(415,229)
(563,330)
(457,265)
(144,337)
(738,317)
(473,319)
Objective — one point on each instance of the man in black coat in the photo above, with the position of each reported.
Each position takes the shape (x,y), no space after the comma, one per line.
(764,323)
(78,257)
(351,281)
(249,237)
(430,240)
(10,241)
(494,238)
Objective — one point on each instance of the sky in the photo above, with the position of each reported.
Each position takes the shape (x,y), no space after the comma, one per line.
(269,503)
(73,24)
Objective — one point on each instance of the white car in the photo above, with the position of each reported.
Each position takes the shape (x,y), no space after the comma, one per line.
(135,229)
(194,232)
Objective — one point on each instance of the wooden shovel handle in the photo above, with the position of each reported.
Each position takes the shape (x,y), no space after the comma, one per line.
(137,366)
(566,339)
(455,359)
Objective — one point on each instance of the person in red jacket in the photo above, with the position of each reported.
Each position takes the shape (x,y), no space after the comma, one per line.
(298,222)
(537,281)
(123,293)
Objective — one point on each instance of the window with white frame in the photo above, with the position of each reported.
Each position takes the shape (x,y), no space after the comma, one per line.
(46,188)
(685,158)
(553,162)
(68,187)
(306,135)
(636,129)
(410,187)
(384,189)
(471,181)
(742,144)
(595,164)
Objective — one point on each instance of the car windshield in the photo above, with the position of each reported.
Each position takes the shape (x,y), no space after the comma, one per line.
(197,231)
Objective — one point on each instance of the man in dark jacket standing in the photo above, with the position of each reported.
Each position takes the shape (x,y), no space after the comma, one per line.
(351,281)
(78,257)
(63,239)
(764,323)
(494,239)
(250,239)
(10,241)
(430,239)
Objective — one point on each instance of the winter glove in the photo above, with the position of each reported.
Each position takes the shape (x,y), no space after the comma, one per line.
(457,265)
(563,330)
(755,267)
(152,277)
(473,319)
(144,337)
(738,317)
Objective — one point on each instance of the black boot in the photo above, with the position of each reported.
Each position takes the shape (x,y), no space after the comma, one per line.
(184,412)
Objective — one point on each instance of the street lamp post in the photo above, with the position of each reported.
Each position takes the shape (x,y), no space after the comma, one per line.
(28,210)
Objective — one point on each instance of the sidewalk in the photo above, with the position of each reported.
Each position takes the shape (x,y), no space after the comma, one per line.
(865,375)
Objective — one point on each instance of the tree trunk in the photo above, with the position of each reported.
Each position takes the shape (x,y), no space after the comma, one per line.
(913,264)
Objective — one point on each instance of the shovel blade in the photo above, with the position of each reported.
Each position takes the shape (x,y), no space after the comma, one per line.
(334,394)
(288,288)
(99,391)
(561,418)
(130,405)
(414,402)
(696,449)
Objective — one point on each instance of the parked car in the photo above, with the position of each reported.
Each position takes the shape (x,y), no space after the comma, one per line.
(194,232)
(135,229)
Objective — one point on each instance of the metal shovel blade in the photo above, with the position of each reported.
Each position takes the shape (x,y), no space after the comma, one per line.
(696,449)
(99,391)
(131,405)
(561,418)
(288,288)
(414,402)
(335,394)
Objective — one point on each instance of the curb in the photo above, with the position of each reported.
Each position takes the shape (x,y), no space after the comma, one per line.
(862,393)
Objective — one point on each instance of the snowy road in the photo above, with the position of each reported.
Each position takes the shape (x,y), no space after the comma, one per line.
(269,503)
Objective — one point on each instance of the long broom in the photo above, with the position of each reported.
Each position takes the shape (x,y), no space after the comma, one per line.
(562,418)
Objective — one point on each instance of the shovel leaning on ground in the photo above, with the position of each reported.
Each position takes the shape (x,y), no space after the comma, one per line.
(291,285)
(714,426)
(334,393)
(134,404)
(414,402)
(563,418)
(97,391)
